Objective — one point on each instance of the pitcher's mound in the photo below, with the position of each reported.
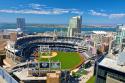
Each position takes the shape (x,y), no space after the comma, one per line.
(54,54)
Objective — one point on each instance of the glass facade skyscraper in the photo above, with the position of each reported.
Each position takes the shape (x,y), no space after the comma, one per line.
(74,26)
(21,23)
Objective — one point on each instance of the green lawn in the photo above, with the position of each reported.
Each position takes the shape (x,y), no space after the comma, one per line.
(68,60)
(91,80)
(80,73)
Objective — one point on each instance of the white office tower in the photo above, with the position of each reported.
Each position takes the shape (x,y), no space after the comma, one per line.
(21,23)
(74,26)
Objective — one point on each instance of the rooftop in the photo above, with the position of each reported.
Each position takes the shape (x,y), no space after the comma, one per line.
(23,75)
(99,32)
(53,75)
(112,64)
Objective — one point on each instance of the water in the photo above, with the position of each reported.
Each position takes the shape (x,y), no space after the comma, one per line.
(39,29)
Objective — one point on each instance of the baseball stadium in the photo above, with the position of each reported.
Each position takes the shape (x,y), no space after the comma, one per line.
(67,50)
(45,54)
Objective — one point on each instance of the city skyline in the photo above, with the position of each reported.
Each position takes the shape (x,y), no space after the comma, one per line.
(59,12)
(62,41)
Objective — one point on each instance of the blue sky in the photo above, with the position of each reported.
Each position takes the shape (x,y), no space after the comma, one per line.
(60,11)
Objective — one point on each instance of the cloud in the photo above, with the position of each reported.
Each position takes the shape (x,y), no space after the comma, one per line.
(32,11)
(36,6)
(59,10)
(73,11)
(52,11)
(117,16)
(110,16)
(77,12)
(40,9)
(94,13)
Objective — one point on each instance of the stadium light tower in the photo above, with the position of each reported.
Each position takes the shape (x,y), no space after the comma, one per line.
(7,51)
(40,48)
(54,34)
(61,32)
(14,53)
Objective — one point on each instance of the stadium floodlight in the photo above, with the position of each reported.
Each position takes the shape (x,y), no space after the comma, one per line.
(14,53)
(7,51)
(44,48)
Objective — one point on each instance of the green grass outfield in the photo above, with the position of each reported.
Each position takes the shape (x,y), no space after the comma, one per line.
(91,80)
(69,60)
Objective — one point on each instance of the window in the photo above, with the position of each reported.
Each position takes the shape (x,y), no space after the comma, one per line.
(6,36)
(99,80)
(101,72)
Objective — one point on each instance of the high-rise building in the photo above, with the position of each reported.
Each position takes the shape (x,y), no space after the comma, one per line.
(13,36)
(120,36)
(21,23)
(74,26)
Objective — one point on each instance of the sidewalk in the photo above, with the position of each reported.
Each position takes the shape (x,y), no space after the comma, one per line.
(85,78)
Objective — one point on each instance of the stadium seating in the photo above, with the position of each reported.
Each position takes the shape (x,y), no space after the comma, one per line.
(27,44)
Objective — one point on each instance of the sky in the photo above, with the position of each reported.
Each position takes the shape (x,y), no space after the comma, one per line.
(61,11)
